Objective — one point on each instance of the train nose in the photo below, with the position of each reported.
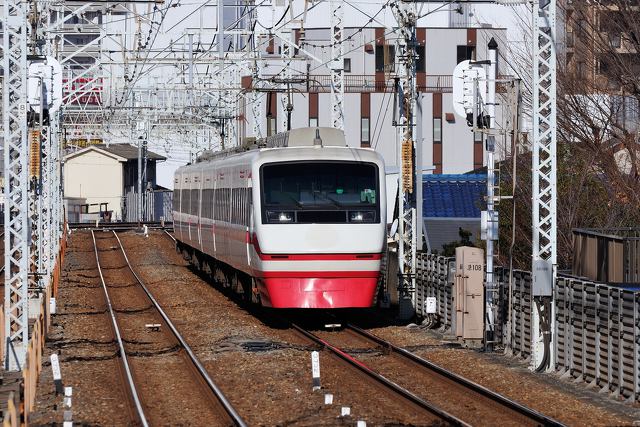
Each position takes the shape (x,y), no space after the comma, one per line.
(326,237)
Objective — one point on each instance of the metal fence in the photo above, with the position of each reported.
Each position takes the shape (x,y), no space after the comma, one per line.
(597,326)
(607,255)
(435,279)
(156,205)
(598,335)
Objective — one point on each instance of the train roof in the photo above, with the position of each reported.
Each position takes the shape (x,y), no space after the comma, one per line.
(302,137)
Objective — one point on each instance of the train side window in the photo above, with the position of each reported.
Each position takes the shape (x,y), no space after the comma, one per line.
(225,205)
(215,203)
(176,200)
(184,200)
(210,202)
(246,207)
(205,204)
(206,197)
(233,207)
(194,202)
(218,203)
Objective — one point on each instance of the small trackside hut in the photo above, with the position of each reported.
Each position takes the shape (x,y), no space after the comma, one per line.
(296,220)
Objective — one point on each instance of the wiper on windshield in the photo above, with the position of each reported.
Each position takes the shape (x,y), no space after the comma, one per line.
(334,202)
(298,204)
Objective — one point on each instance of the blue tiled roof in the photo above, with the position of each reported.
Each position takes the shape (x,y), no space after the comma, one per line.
(453,196)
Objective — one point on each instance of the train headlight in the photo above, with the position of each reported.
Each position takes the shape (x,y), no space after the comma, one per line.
(280,216)
(362,216)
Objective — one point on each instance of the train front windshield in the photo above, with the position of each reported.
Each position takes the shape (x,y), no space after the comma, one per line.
(320,192)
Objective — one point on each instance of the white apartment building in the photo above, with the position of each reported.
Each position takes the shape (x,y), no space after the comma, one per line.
(448,144)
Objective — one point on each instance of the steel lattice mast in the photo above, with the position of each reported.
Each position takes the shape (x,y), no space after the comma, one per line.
(543,183)
(405,14)
(336,65)
(16,209)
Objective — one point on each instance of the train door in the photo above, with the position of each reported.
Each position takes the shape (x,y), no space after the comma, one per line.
(249,220)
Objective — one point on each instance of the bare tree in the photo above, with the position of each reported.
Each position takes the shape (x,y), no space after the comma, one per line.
(598,124)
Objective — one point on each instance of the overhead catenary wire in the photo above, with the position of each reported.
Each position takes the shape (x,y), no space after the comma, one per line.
(250,49)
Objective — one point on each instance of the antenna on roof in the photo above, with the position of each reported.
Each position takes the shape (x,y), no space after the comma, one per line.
(317,141)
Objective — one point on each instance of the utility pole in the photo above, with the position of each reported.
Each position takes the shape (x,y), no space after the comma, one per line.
(283,37)
(405,14)
(141,154)
(492,214)
(16,162)
(543,266)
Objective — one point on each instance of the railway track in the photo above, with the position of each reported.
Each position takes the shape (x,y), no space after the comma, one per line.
(442,395)
(433,414)
(165,382)
(461,400)
(119,226)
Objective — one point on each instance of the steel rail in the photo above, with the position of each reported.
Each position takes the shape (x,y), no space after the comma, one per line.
(233,414)
(406,394)
(119,225)
(123,353)
(169,234)
(472,386)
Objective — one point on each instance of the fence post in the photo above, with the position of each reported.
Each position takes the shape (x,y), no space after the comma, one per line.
(572,328)
(583,318)
(596,379)
(609,340)
(619,389)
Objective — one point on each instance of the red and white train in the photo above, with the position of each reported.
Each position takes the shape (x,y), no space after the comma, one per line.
(296,221)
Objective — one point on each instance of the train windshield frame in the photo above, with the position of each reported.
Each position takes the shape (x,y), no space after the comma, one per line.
(320,192)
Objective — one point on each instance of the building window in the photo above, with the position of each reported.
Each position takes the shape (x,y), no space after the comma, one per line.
(347,65)
(615,40)
(271,126)
(465,53)
(603,66)
(313,122)
(581,70)
(570,41)
(385,58)
(437,129)
(364,131)
(582,28)
(421,63)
